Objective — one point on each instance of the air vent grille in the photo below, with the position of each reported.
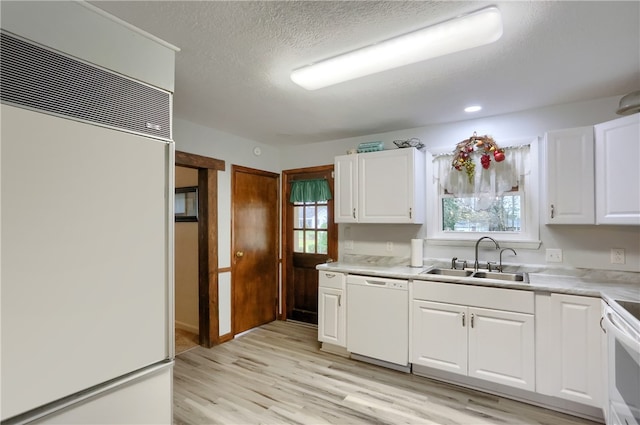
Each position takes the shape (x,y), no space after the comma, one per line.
(34,77)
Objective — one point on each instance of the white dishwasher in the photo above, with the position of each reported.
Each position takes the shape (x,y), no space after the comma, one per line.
(378,319)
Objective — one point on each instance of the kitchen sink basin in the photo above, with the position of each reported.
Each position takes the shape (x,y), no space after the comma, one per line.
(450,272)
(512,277)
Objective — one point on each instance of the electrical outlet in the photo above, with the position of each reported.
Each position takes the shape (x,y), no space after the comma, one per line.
(554,256)
(389,246)
(617,256)
(348,244)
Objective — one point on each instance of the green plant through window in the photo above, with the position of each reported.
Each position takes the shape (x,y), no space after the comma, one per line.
(310,227)
(482,214)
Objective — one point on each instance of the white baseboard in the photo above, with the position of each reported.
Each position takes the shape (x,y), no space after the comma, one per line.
(187,327)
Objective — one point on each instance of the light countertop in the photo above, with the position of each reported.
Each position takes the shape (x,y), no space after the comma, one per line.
(609,285)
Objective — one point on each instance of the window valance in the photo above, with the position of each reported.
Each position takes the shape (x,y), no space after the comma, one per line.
(499,178)
(313,190)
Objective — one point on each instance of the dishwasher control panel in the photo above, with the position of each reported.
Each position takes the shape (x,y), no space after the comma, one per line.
(381,282)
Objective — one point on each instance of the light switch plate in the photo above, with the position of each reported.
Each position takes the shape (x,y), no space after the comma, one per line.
(554,256)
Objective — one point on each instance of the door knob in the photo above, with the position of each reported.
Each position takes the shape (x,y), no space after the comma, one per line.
(239,254)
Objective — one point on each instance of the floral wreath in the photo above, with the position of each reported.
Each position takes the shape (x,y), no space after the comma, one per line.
(462,154)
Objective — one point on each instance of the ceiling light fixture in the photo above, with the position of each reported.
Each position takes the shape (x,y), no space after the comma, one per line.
(474,108)
(465,32)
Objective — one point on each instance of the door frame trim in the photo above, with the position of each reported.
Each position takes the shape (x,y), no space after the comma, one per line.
(287,252)
(208,270)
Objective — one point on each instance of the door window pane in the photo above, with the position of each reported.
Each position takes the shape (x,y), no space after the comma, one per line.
(322,243)
(298,217)
(298,241)
(322,217)
(310,217)
(310,242)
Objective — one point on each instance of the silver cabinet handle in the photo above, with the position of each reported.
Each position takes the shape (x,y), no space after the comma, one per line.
(339,300)
(472,317)
(354,213)
(463,320)
(330,275)
(602,327)
(410,213)
(552,211)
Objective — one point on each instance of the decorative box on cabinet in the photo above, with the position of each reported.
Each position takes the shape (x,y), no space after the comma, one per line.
(380,187)
(332,308)
(617,171)
(569,348)
(467,330)
(569,176)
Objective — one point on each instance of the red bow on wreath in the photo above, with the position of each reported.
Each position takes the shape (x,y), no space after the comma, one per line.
(486,144)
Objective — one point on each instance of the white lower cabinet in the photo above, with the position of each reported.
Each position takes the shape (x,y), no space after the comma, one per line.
(439,336)
(485,343)
(501,347)
(332,308)
(569,364)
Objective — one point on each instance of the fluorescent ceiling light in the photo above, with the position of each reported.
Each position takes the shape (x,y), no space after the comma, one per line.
(474,108)
(462,33)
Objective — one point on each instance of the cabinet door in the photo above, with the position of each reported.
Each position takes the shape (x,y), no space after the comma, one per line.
(569,185)
(388,187)
(501,347)
(617,171)
(346,189)
(331,316)
(439,336)
(576,371)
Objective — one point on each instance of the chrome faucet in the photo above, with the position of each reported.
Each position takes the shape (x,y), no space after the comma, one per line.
(505,249)
(475,263)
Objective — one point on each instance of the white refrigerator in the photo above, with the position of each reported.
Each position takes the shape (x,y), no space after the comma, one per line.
(86,272)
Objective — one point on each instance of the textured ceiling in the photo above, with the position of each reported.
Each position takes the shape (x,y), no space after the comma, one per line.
(232,72)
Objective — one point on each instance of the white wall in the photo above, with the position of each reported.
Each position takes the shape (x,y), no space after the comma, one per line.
(186,262)
(234,150)
(583,246)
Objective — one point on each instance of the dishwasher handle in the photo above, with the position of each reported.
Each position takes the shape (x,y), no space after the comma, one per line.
(376,282)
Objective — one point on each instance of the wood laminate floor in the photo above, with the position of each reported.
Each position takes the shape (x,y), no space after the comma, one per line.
(276,374)
(185,340)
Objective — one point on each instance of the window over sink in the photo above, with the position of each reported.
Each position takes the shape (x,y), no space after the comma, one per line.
(500,201)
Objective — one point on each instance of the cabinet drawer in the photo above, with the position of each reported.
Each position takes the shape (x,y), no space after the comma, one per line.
(331,280)
(475,296)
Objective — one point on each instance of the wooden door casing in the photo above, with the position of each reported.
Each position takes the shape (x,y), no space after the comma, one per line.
(300,277)
(255,254)
(207,242)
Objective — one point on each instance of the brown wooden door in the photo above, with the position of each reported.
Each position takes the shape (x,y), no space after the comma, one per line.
(311,238)
(254,264)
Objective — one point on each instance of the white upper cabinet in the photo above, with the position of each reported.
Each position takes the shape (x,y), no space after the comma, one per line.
(592,174)
(618,171)
(570,178)
(380,187)
(346,189)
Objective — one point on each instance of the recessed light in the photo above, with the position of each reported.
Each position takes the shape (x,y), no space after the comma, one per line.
(474,108)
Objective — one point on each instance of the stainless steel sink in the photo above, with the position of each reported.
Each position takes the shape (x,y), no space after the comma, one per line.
(512,277)
(450,272)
